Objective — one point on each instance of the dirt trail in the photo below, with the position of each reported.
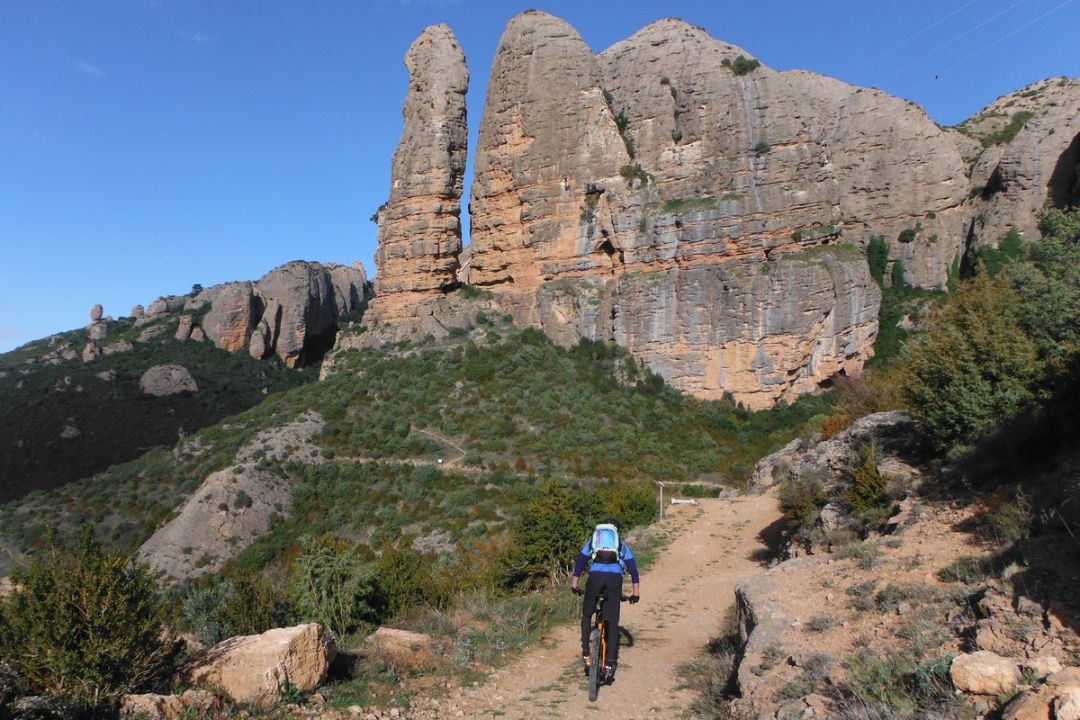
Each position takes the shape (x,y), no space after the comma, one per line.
(684,597)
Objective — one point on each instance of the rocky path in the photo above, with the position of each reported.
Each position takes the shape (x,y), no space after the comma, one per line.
(684,597)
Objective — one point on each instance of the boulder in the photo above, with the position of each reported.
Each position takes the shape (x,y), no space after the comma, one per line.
(120,346)
(98,330)
(151,332)
(138,311)
(96,312)
(197,334)
(255,668)
(260,340)
(984,673)
(162,380)
(150,706)
(406,650)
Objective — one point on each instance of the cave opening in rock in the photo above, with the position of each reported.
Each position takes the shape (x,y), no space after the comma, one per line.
(608,248)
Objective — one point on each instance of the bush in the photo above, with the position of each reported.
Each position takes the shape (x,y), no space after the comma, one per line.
(741,65)
(877,257)
(801,500)
(330,587)
(87,626)
(867,497)
(975,368)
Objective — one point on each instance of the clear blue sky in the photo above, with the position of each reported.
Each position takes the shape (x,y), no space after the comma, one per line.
(146,145)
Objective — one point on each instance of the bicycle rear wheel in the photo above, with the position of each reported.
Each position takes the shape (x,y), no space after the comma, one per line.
(594,664)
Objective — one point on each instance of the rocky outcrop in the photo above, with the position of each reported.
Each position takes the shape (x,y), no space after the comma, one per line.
(162,380)
(420,225)
(893,435)
(1057,699)
(1039,163)
(289,312)
(232,507)
(549,153)
(256,668)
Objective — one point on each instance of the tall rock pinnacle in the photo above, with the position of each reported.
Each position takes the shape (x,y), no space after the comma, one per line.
(549,147)
(420,225)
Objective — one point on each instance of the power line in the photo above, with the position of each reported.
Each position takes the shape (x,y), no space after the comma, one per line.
(911,37)
(959,37)
(997,42)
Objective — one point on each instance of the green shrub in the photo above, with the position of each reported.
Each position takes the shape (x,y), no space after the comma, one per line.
(87,626)
(634,171)
(877,257)
(741,65)
(867,497)
(966,569)
(975,368)
(801,500)
(1012,520)
(993,260)
(254,605)
(202,613)
(1009,131)
(762,148)
(547,535)
(330,586)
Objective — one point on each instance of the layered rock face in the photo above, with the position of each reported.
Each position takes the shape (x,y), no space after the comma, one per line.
(547,179)
(628,197)
(420,226)
(701,209)
(1012,182)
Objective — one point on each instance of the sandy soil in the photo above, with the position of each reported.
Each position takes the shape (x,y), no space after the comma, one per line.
(684,597)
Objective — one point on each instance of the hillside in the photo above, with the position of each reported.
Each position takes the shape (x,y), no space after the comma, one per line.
(83,400)
(66,418)
(494,402)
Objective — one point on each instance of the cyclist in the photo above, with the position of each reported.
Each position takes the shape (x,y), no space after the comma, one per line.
(606,557)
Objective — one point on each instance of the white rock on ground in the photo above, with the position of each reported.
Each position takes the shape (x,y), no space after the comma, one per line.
(255,668)
(984,673)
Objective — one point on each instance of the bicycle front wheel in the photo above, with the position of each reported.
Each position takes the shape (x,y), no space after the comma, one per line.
(594,664)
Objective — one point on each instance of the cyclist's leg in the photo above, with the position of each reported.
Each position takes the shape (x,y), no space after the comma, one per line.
(592,586)
(613,588)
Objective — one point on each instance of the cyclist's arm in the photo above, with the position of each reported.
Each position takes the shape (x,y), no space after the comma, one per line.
(631,567)
(579,566)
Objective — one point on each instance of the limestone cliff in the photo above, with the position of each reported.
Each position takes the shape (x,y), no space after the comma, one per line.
(678,197)
(420,225)
(1030,156)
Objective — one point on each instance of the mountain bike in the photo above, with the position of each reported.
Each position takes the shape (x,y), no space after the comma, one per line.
(598,646)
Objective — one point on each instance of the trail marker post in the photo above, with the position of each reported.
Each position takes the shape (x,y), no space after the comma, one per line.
(661,499)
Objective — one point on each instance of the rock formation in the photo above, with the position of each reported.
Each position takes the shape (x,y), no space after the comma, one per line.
(289,312)
(162,380)
(679,198)
(420,225)
(1012,181)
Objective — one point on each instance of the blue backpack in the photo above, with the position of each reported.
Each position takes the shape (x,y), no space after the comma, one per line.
(605,545)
